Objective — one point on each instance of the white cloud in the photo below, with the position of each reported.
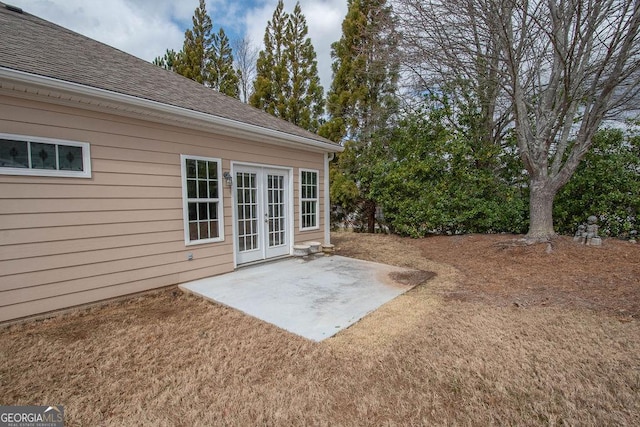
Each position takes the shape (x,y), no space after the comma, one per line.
(146,28)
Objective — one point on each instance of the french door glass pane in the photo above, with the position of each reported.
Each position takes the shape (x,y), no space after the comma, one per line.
(275,209)
(247,211)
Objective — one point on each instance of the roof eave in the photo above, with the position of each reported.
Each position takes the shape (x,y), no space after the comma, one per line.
(223,124)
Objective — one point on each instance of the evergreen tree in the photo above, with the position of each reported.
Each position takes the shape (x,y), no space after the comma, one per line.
(223,77)
(271,87)
(287,83)
(365,66)
(362,99)
(205,57)
(167,61)
(307,97)
(197,49)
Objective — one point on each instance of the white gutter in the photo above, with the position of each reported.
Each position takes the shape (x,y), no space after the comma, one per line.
(102,94)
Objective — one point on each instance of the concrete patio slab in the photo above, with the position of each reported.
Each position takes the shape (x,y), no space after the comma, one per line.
(313,298)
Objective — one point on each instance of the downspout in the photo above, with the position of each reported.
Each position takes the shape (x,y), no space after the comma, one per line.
(327,200)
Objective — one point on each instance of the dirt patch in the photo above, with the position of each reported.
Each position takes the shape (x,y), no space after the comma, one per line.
(412,278)
(501,270)
(454,350)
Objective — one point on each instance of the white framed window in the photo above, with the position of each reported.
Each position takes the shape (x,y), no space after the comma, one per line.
(202,199)
(37,156)
(309,200)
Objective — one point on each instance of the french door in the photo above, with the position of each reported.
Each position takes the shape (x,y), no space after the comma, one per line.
(262,213)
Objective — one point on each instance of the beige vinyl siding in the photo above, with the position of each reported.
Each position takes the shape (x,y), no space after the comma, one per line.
(70,241)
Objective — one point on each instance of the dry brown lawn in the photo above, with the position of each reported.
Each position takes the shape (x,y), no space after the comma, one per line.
(502,335)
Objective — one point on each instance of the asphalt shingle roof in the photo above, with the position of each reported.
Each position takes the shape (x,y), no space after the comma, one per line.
(33,45)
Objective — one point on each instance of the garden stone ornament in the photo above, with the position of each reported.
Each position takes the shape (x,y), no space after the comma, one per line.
(588,234)
(580,234)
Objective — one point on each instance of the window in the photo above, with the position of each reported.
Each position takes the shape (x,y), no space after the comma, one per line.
(31,155)
(202,200)
(309,200)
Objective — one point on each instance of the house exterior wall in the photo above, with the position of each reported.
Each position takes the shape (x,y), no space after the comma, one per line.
(70,241)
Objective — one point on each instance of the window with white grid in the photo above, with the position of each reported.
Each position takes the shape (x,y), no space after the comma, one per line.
(202,198)
(309,200)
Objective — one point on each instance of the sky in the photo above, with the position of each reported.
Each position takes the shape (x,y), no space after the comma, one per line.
(147,28)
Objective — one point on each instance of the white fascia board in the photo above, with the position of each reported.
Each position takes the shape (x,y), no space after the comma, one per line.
(271,135)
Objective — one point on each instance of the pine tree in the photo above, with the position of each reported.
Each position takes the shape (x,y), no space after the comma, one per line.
(205,57)
(362,99)
(365,66)
(167,61)
(287,83)
(270,89)
(197,49)
(223,77)
(305,105)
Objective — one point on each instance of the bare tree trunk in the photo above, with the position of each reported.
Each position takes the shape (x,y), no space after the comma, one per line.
(540,211)
(245,55)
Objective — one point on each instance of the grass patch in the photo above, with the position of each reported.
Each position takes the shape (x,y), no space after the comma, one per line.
(453,351)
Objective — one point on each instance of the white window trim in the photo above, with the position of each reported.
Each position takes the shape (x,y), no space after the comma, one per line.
(86,158)
(185,200)
(317,199)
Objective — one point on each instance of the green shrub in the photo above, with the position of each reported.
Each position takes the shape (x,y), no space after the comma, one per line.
(435,184)
(606,184)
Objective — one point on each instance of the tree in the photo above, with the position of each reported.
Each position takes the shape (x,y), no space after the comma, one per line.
(287,83)
(245,56)
(433,184)
(448,52)
(306,103)
(168,60)
(568,65)
(193,60)
(563,66)
(222,75)
(362,98)
(205,57)
(271,87)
